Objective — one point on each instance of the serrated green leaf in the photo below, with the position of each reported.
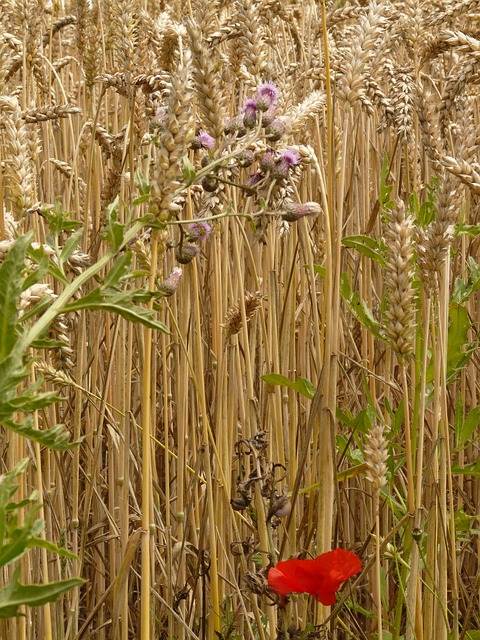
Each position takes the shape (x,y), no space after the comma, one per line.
(40,543)
(12,283)
(71,245)
(463,290)
(27,402)
(118,271)
(37,309)
(468,427)
(114,231)
(189,173)
(318,269)
(55,438)
(472,469)
(366,246)
(120,303)
(385,189)
(16,594)
(359,308)
(301,385)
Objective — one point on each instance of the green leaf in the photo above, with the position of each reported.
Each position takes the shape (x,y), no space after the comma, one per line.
(116,274)
(120,303)
(468,427)
(459,347)
(301,385)
(16,594)
(114,231)
(463,290)
(359,308)
(471,230)
(366,246)
(27,403)
(71,244)
(317,268)
(472,469)
(55,438)
(385,189)
(11,277)
(189,173)
(40,543)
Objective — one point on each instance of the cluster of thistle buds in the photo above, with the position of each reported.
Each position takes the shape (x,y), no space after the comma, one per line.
(197,232)
(272,170)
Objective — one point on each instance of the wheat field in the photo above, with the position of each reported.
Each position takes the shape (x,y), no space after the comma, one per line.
(239,307)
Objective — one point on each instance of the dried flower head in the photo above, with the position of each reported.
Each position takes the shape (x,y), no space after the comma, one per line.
(170,284)
(292,211)
(185,253)
(275,130)
(245,158)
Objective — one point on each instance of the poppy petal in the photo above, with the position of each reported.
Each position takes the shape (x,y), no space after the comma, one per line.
(320,577)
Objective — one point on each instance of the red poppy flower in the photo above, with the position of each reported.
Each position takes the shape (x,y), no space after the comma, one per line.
(320,577)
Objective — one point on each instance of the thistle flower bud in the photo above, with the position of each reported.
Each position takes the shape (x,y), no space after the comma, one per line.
(266,96)
(210,183)
(250,113)
(275,130)
(267,162)
(235,125)
(185,253)
(202,141)
(170,284)
(292,211)
(286,161)
(252,181)
(245,158)
(199,230)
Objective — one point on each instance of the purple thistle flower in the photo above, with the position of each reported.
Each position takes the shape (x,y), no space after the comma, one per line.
(267,95)
(202,140)
(250,113)
(199,230)
(285,161)
(170,284)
